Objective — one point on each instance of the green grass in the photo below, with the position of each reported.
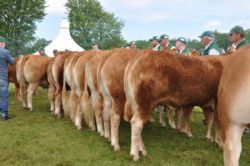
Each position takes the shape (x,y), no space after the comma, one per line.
(38,138)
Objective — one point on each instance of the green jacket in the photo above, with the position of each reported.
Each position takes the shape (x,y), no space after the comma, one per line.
(213,45)
(242,43)
(169,47)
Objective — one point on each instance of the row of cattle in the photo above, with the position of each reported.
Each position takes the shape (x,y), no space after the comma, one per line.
(102,87)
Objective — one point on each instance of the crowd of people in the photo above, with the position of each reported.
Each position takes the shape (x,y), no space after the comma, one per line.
(208,40)
(236,36)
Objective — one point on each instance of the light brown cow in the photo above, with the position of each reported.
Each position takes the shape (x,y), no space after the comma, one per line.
(12,77)
(78,71)
(57,78)
(91,99)
(69,101)
(234,104)
(31,72)
(155,78)
(112,90)
(51,86)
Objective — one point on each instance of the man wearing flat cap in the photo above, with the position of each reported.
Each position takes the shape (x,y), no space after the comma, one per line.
(5,59)
(181,46)
(132,45)
(165,44)
(210,46)
(42,52)
(237,37)
(94,46)
(155,43)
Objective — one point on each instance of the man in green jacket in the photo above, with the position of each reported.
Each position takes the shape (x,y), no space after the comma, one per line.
(210,46)
(181,46)
(42,52)
(237,37)
(165,44)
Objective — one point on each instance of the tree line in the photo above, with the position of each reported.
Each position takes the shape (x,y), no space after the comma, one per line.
(89,23)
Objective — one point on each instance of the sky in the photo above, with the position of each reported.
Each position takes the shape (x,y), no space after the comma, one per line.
(144,19)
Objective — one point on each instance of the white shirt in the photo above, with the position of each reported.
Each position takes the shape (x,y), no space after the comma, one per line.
(156,48)
(212,51)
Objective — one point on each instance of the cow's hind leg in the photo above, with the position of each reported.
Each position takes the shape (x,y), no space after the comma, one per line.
(209,116)
(114,123)
(99,113)
(106,117)
(23,95)
(31,89)
(58,103)
(160,109)
(51,96)
(136,140)
(170,113)
(187,114)
(179,113)
(232,145)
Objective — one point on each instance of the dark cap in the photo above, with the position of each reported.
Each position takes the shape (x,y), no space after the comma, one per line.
(237,29)
(2,39)
(183,40)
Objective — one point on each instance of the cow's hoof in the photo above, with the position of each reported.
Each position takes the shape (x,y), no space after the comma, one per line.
(58,116)
(173,127)
(93,128)
(151,120)
(116,148)
(78,127)
(210,140)
(219,143)
(144,153)
(163,124)
(135,157)
(101,134)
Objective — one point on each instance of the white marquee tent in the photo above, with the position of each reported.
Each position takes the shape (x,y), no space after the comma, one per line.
(62,41)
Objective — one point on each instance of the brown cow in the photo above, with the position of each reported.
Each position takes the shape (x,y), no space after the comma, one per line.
(78,71)
(70,101)
(12,77)
(155,78)
(233,104)
(57,78)
(51,86)
(91,99)
(112,90)
(31,72)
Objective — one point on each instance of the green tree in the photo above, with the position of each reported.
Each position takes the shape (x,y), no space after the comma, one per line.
(222,40)
(195,44)
(18,22)
(143,44)
(35,46)
(247,35)
(89,22)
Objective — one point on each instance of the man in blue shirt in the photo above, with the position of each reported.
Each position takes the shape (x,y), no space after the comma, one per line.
(5,59)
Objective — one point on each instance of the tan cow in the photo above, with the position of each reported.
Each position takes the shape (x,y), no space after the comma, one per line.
(69,101)
(155,78)
(234,104)
(32,73)
(57,78)
(78,71)
(91,99)
(112,90)
(12,77)
(51,86)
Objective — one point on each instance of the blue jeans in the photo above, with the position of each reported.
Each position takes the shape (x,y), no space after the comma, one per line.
(4,95)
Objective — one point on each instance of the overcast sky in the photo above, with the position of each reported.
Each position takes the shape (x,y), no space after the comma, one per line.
(146,18)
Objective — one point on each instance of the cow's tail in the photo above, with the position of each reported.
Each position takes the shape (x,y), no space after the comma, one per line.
(128,113)
(85,104)
(21,80)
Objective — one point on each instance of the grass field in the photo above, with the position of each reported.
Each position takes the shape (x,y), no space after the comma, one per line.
(38,138)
